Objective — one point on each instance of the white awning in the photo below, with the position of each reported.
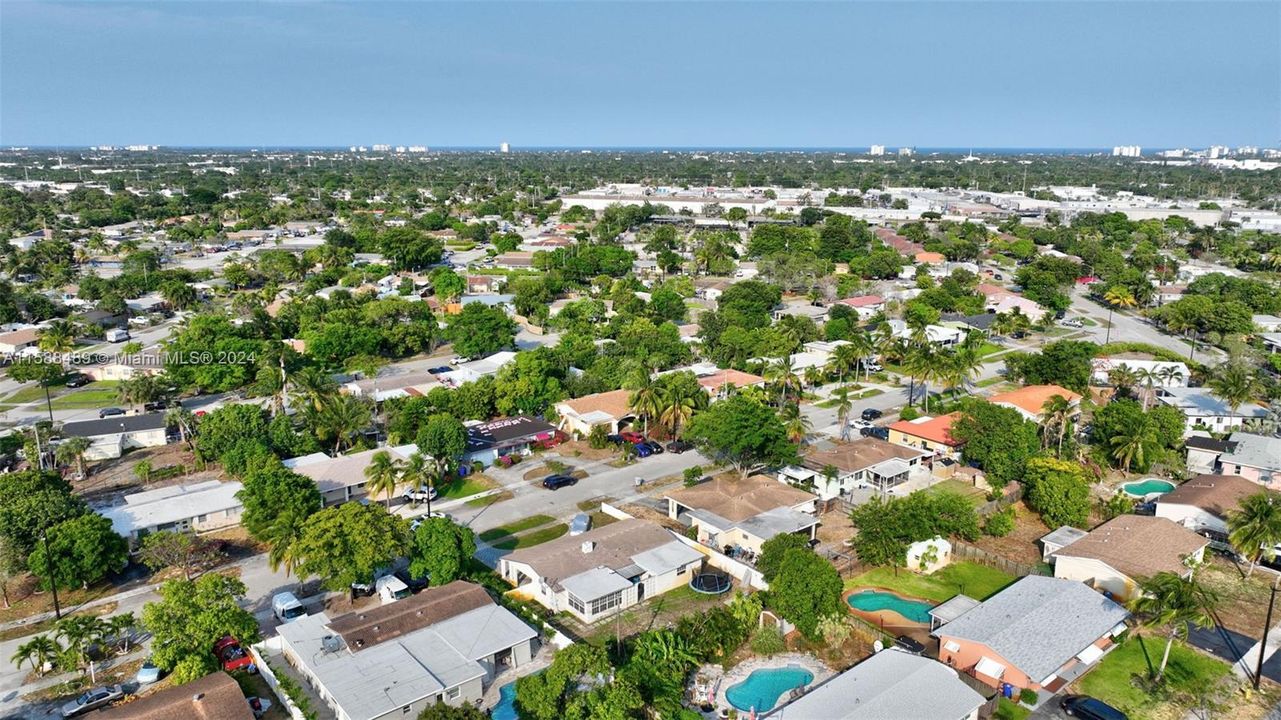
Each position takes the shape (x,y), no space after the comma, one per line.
(1090,654)
(990,668)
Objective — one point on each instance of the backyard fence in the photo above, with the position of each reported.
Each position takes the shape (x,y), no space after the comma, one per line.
(1013,493)
(962,550)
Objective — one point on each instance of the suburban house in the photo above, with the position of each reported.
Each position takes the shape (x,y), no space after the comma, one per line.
(1253,457)
(1166,294)
(216,696)
(197,508)
(611,409)
(866,463)
(1030,401)
(1202,504)
(489,441)
(1203,408)
(742,514)
(1116,556)
(386,387)
(932,434)
(127,367)
(890,684)
(1039,633)
(602,571)
(941,335)
(1203,452)
(485,284)
(111,436)
(866,306)
(719,383)
(515,260)
(18,340)
(1002,300)
(342,479)
(1161,373)
(1059,538)
(445,644)
(900,243)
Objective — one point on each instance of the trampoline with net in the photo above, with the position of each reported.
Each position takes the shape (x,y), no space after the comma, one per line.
(710,583)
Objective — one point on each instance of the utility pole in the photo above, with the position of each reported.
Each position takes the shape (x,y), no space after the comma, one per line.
(53,583)
(1267,625)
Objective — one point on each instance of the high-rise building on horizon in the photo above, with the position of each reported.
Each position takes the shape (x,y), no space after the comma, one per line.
(504,148)
(1127,151)
(876,150)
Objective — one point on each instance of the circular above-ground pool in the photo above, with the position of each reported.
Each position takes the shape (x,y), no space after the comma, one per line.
(762,689)
(872,600)
(709,583)
(1147,487)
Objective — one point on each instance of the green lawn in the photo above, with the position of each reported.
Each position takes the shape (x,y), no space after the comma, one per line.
(29,394)
(1189,673)
(1010,710)
(93,395)
(530,539)
(466,487)
(962,488)
(977,581)
(990,381)
(532,521)
(988,348)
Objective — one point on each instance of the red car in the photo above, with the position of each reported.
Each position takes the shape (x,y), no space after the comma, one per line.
(552,440)
(232,656)
(632,437)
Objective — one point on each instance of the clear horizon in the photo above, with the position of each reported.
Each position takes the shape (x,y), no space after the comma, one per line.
(710,76)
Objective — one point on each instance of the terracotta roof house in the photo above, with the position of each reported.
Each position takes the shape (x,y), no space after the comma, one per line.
(602,571)
(866,463)
(933,434)
(445,644)
(742,514)
(1117,555)
(901,244)
(718,384)
(1203,503)
(12,342)
(611,409)
(1030,401)
(929,258)
(216,696)
(1039,633)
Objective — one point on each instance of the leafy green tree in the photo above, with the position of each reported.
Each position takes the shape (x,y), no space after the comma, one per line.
(191,616)
(347,544)
(189,553)
(32,501)
(37,369)
(1064,362)
(84,550)
(447,284)
(272,491)
(545,695)
(742,432)
(806,589)
(886,526)
(220,430)
(442,436)
(441,711)
(997,439)
(409,248)
(773,550)
(479,331)
(1059,491)
(440,549)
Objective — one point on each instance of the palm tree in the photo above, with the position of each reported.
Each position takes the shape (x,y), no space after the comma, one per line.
(184,420)
(1117,296)
(1131,444)
(382,473)
(282,537)
(312,386)
(1235,384)
(120,629)
(39,652)
(1177,603)
(1254,528)
(1148,378)
(59,337)
(678,409)
(140,390)
(340,418)
(1170,375)
(1055,414)
(919,365)
(784,376)
(646,401)
(813,376)
(1123,377)
(80,632)
(418,471)
(844,406)
(72,450)
(798,426)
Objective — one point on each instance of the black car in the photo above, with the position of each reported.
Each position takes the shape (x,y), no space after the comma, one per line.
(77,380)
(439,370)
(871,414)
(904,642)
(877,432)
(155,406)
(556,482)
(678,446)
(109,412)
(414,584)
(615,439)
(1090,708)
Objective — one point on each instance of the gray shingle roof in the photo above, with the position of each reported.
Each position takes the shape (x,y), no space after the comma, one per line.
(890,685)
(1038,623)
(1257,451)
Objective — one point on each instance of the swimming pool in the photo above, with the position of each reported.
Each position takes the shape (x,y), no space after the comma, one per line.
(873,600)
(506,707)
(762,689)
(1147,486)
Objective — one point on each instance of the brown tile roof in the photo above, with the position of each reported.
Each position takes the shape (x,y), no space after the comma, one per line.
(1216,494)
(863,301)
(614,547)
(937,429)
(614,403)
(858,455)
(20,337)
(737,500)
(1032,398)
(213,697)
(1139,546)
(737,378)
(370,627)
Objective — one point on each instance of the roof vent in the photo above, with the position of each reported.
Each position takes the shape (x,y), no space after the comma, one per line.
(588,546)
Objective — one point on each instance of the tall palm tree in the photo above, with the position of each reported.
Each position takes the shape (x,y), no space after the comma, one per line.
(81,632)
(1123,377)
(59,337)
(843,359)
(784,376)
(120,629)
(1131,444)
(1055,414)
(1117,296)
(340,418)
(647,401)
(183,419)
(382,474)
(39,652)
(798,426)
(282,537)
(1254,528)
(813,376)
(1148,379)
(312,386)
(1170,374)
(1177,603)
(678,409)
(72,450)
(417,472)
(919,365)
(1235,384)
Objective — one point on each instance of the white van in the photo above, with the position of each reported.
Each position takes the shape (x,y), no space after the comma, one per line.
(286,608)
(117,335)
(391,589)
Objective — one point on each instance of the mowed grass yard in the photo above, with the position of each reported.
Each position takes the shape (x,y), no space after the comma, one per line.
(977,581)
(960,487)
(93,395)
(1119,678)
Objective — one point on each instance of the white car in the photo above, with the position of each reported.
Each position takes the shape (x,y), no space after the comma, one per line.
(859,424)
(418,495)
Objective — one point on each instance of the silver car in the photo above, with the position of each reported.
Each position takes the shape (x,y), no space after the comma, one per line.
(94,699)
(581,523)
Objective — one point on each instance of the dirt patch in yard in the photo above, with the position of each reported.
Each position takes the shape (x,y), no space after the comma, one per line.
(580,449)
(1020,545)
(110,480)
(1243,602)
(835,528)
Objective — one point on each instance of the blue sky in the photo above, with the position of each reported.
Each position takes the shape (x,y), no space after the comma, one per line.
(958,74)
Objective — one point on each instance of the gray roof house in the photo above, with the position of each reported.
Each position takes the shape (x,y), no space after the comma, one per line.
(445,644)
(111,436)
(1202,408)
(889,684)
(1040,632)
(1254,457)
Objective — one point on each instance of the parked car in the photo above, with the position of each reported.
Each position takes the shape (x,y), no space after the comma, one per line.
(76,380)
(654,447)
(414,584)
(1090,708)
(94,699)
(420,494)
(259,706)
(871,414)
(678,447)
(581,523)
(286,607)
(643,450)
(362,589)
(556,482)
(876,432)
(233,656)
(441,369)
(156,406)
(110,412)
(459,359)
(148,673)
(860,425)
(903,642)
(391,588)
(615,439)
(433,514)
(632,437)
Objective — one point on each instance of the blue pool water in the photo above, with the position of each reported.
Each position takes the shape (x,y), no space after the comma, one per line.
(873,600)
(763,688)
(1146,487)
(506,707)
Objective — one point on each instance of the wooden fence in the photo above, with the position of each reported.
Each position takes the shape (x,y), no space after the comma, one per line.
(962,550)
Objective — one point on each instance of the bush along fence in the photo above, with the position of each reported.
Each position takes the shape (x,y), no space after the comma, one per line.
(1013,493)
(292,697)
(962,550)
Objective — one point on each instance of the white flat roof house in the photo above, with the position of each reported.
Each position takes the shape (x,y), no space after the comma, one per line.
(1164,373)
(200,507)
(1201,407)
(340,479)
(445,644)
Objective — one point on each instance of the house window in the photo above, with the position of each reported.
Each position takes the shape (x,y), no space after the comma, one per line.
(576,604)
(453,693)
(606,603)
